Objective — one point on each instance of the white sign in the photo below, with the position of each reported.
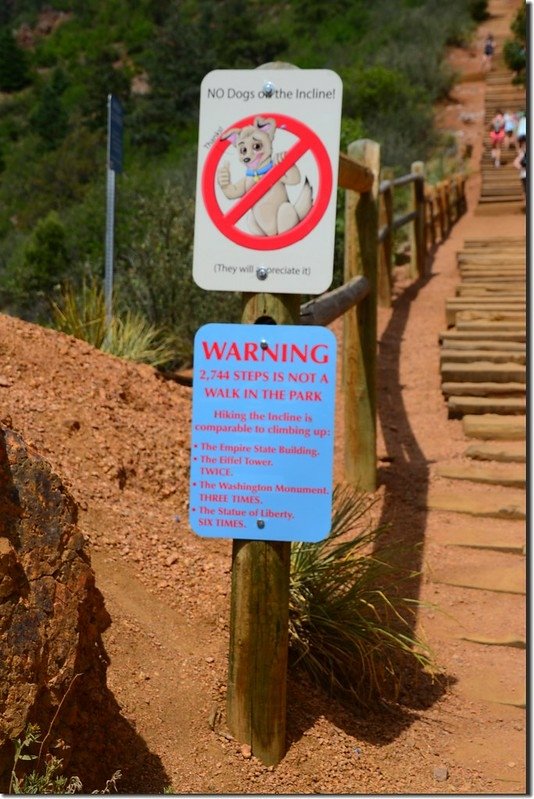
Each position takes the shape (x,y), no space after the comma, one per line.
(267,167)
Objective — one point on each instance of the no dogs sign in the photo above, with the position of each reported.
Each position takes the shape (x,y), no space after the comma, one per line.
(266,180)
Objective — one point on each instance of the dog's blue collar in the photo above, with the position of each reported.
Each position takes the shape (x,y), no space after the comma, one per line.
(255,173)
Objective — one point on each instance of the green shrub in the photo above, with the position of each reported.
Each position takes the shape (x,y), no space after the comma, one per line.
(478,9)
(515,56)
(392,110)
(34,271)
(350,628)
(14,70)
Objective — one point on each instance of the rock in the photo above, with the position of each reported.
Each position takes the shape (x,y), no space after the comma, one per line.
(246,751)
(51,614)
(441,773)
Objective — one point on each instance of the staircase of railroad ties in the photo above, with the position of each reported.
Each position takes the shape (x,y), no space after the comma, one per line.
(482,490)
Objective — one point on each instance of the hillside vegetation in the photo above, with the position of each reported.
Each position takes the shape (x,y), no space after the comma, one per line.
(57,67)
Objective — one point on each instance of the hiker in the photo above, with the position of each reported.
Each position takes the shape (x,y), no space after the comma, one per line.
(521,129)
(496,133)
(510,125)
(488,51)
(520,162)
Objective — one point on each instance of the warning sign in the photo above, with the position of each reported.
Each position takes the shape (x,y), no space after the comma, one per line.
(267,174)
(262,432)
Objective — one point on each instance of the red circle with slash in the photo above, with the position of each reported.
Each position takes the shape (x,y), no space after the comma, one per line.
(226,222)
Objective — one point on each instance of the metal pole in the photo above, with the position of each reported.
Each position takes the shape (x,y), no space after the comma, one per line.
(110,224)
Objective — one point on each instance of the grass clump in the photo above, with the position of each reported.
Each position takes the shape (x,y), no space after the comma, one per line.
(350,628)
(83,314)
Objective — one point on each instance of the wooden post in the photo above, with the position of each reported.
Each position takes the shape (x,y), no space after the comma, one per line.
(259,607)
(417,260)
(432,215)
(257,667)
(429,210)
(385,249)
(360,326)
(441,211)
(447,204)
(463,200)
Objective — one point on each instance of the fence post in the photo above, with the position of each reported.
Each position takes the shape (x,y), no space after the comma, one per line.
(385,248)
(447,203)
(440,196)
(417,260)
(432,206)
(360,326)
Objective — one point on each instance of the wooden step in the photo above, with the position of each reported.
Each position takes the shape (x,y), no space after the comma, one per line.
(498,287)
(492,259)
(493,327)
(483,372)
(510,452)
(497,267)
(500,199)
(490,301)
(489,291)
(473,311)
(480,336)
(491,315)
(468,389)
(498,280)
(489,356)
(473,503)
(512,540)
(495,241)
(513,476)
(459,406)
(495,209)
(496,275)
(504,579)
(501,346)
(494,427)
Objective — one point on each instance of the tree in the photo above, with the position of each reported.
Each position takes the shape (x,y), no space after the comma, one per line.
(50,120)
(45,256)
(14,71)
(196,38)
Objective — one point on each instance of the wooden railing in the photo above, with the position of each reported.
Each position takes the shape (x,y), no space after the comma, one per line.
(370,224)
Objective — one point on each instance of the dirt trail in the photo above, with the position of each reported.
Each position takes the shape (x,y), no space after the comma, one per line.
(119,436)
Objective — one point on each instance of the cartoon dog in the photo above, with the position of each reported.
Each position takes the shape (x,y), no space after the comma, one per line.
(273,213)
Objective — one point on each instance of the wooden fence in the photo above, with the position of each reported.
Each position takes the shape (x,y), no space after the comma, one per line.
(370,225)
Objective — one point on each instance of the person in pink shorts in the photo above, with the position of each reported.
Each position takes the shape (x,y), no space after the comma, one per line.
(497,134)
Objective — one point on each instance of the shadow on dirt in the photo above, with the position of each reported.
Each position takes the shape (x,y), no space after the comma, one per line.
(405,472)
(379,724)
(123,749)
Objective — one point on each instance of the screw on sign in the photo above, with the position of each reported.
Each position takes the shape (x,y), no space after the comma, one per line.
(260,191)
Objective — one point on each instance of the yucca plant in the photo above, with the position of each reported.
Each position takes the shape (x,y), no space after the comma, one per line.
(135,339)
(82,314)
(350,628)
